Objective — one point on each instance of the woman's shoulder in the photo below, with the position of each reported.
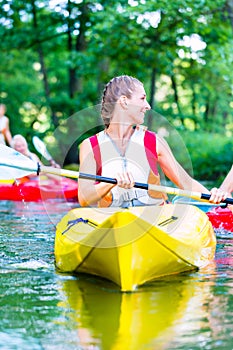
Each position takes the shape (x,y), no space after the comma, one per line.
(93,138)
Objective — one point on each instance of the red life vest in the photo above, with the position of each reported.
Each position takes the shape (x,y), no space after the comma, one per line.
(150,148)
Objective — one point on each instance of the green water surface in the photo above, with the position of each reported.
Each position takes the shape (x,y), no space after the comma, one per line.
(42,309)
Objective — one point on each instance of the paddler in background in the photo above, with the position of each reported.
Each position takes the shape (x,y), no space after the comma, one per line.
(5,133)
(128,153)
(19,143)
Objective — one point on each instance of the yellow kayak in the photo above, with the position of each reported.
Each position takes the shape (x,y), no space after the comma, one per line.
(133,246)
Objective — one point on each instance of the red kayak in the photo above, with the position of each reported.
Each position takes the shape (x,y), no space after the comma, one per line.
(221,218)
(34,190)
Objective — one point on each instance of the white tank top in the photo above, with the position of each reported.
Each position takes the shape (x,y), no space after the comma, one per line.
(3,123)
(135,160)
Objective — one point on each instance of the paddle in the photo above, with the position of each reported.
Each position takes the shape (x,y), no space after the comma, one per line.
(41,148)
(11,168)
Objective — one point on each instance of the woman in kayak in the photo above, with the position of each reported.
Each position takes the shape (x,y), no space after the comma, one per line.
(19,143)
(126,151)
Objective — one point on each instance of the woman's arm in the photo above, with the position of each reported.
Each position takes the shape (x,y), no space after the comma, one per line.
(227,184)
(89,192)
(175,172)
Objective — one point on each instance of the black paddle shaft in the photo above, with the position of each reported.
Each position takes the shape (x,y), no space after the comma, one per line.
(109,180)
(138,185)
(207,197)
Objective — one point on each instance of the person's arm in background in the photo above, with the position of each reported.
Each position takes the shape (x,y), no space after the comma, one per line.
(227,184)
(54,164)
(7,133)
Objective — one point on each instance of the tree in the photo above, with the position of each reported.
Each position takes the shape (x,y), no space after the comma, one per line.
(56,60)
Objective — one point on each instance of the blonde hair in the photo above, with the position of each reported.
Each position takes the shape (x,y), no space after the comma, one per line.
(114,89)
(16,138)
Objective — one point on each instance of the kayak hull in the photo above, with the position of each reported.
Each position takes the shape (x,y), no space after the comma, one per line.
(133,246)
(39,190)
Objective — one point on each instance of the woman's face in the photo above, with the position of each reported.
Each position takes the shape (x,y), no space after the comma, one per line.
(138,105)
(20,145)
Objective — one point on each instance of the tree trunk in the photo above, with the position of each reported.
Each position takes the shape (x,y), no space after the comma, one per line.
(72,71)
(176,96)
(75,83)
(194,107)
(230,12)
(43,66)
(152,94)
(207,109)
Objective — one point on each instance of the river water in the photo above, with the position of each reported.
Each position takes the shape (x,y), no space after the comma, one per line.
(42,309)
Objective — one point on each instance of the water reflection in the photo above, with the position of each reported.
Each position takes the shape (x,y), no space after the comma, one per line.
(167,314)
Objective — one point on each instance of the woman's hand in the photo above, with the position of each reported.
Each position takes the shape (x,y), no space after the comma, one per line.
(54,164)
(218,195)
(125,180)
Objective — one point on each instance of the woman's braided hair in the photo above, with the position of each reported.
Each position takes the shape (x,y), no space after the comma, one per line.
(114,89)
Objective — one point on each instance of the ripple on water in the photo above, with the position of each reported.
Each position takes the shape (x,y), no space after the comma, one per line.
(221,233)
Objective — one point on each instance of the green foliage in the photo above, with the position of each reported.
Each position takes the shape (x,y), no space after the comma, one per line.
(211,155)
(55,62)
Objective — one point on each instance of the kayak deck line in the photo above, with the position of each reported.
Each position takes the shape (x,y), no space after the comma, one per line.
(168,221)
